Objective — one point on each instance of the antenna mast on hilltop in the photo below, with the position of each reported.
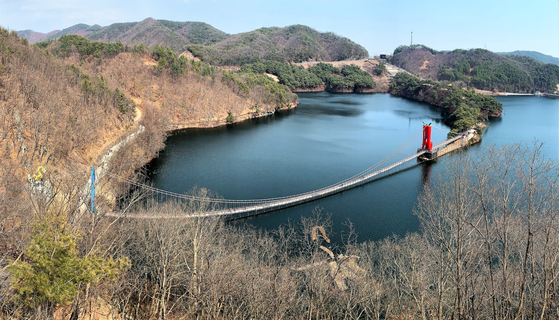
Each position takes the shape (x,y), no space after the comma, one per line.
(411,41)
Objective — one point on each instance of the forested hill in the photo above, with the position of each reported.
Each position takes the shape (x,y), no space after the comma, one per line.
(293,43)
(349,78)
(479,68)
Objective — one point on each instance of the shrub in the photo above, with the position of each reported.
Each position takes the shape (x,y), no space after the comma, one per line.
(230,118)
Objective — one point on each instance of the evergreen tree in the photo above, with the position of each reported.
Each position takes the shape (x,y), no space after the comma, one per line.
(52,272)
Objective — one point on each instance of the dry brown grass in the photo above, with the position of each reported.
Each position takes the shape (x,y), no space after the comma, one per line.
(93,309)
(48,119)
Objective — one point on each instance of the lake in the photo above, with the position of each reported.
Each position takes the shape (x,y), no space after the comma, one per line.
(326,139)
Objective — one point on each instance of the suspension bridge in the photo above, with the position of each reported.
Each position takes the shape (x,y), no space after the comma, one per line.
(232,209)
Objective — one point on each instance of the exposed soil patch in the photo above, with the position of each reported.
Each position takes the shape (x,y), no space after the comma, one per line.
(274,77)
(149,62)
(382,84)
(189,56)
(422,62)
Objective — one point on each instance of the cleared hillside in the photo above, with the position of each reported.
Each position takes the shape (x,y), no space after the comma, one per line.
(479,68)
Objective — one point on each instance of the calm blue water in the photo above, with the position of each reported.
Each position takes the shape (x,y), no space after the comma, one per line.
(328,138)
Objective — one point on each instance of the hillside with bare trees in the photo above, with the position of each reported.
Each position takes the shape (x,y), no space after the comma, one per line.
(54,116)
(61,110)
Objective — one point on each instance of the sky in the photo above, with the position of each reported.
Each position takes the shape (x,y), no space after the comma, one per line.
(379,26)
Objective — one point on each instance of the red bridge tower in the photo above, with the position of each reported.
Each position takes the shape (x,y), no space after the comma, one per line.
(427,143)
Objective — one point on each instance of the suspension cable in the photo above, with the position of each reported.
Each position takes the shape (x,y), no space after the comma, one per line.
(366,172)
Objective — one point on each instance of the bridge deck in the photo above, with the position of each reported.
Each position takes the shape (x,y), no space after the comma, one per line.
(303,198)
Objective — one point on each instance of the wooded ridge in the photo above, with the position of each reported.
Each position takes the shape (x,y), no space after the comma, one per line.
(293,43)
(479,68)
(464,108)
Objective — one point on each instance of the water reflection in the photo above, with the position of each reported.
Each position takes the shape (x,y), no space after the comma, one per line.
(413,114)
(426,173)
(332,111)
(347,102)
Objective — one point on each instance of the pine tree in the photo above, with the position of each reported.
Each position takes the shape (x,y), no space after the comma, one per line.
(52,272)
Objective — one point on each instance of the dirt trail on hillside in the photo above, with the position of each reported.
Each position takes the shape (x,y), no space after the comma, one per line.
(101,169)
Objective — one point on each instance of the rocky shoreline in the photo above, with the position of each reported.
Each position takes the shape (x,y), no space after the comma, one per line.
(323,88)
(316,89)
(223,121)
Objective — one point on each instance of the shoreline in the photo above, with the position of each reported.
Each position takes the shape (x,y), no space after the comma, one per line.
(324,89)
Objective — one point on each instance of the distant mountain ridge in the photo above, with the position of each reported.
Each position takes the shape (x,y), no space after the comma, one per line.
(544,58)
(293,43)
(151,32)
(34,36)
(81,29)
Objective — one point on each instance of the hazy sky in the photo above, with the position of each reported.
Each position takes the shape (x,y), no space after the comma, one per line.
(377,25)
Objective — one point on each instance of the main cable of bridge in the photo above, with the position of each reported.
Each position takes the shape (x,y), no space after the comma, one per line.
(439,128)
(263,200)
